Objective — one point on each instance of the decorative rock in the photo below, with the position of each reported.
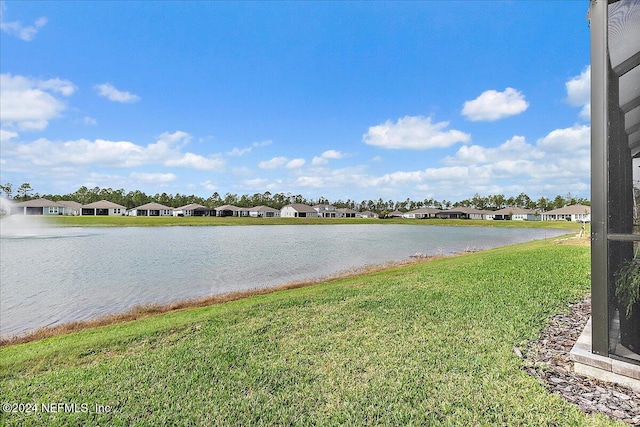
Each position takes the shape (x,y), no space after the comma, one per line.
(548,360)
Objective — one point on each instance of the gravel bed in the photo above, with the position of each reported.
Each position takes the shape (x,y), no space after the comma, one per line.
(548,359)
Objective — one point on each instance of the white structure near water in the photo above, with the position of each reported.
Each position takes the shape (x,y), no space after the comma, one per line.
(576,213)
(298,210)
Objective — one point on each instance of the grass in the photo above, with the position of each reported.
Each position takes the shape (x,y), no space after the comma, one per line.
(125,221)
(424,344)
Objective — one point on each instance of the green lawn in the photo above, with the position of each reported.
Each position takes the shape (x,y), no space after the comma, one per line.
(123,221)
(425,344)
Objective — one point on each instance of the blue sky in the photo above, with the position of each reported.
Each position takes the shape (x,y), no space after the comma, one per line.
(344,100)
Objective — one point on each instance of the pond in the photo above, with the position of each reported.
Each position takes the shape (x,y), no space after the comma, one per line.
(51,276)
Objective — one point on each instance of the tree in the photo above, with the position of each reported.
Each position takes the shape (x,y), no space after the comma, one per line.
(543,204)
(7,189)
(558,202)
(24,192)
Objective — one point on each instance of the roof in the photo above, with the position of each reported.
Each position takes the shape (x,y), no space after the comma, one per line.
(70,204)
(190,206)
(346,210)
(424,211)
(153,207)
(39,203)
(466,210)
(569,210)
(263,208)
(368,213)
(103,204)
(300,207)
(227,208)
(515,211)
(395,213)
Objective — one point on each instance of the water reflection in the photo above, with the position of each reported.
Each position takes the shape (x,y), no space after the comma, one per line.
(48,281)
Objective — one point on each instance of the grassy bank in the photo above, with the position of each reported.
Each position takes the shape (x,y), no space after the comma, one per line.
(126,221)
(424,344)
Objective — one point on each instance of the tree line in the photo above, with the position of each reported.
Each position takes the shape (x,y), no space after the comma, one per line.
(131,199)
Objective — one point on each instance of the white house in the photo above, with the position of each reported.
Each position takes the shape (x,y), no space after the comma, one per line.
(346,213)
(298,210)
(103,208)
(421,213)
(577,213)
(367,214)
(38,207)
(264,212)
(187,210)
(231,210)
(326,211)
(463,213)
(151,209)
(515,214)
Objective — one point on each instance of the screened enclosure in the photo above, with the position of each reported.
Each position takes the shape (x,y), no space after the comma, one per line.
(615,178)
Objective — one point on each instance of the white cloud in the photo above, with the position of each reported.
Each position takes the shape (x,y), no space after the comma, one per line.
(492,105)
(16,29)
(262,143)
(319,161)
(516,148)
(107,90)
(254,183)
(167,151)
(29,103)
(295,163)
(310,181)
(568,140)
(239,151)
(274,163)
(324,158)
(333,154)
(195,161)
(152,178)
(414,132)
(89,121)
(242,151)
(6,135)
(579,92)
(209,185)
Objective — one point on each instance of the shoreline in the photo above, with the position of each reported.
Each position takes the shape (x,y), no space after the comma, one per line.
(142,311)
(124,221)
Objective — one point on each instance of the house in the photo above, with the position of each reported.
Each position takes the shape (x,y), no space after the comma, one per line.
(463,213)
(71,207)
(38,207)
(187,210)
(151,209)
(103,208)
(346,213)
(421,213)
(516,214)
(395,214)
(264,212)
(203,211)
(326,211)
(367,214)
(231,210)
(298,210)
(577,213)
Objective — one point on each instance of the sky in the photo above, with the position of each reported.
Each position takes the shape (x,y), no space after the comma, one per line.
(341,100)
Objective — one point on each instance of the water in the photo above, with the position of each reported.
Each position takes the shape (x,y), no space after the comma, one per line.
(50,276)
